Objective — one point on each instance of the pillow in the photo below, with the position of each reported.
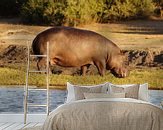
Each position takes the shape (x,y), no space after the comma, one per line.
(71,92)
(103,95)
(124,86)
(131,91)
(79,91)
(142,94)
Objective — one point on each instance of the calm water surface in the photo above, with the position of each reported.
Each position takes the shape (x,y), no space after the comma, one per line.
(11,99)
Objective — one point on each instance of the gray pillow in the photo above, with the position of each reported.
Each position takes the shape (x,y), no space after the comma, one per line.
(130,91)
(79,91)
(103,95)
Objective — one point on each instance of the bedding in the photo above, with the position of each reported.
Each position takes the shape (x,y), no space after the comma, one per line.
(78,93)
(131,91)
(103,95)
(142,92)
(137,91)
(105,114)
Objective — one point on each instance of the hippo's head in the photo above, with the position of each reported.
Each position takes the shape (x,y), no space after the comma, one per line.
(118,66)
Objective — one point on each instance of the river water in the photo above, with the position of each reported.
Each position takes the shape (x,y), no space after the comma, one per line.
(11,99)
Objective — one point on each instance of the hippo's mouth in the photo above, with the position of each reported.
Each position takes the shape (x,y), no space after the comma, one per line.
(116,74)
(119,74)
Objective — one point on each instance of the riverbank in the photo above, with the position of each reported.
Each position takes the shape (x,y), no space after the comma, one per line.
(142,40)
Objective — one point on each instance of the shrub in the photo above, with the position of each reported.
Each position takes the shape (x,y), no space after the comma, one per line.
(81,12)
(129,9)
(40,12)
(54,14)
(121,10)
(74,12)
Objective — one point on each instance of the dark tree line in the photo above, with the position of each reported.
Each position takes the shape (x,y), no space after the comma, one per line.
(74,12)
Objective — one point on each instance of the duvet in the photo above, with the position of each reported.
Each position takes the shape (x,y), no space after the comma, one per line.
(105,114)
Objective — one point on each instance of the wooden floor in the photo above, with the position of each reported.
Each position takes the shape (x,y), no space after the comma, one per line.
(16,121)
(17,126)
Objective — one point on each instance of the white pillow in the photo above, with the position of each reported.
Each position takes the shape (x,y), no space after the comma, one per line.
(71,92)
(142,94)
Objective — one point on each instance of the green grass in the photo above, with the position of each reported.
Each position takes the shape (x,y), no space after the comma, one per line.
(9,76)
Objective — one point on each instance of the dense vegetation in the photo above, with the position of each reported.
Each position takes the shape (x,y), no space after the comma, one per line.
(73,12)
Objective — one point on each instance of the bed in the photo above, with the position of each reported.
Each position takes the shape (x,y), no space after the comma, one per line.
(106,107)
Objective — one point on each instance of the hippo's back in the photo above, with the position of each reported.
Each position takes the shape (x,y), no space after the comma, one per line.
(67,38)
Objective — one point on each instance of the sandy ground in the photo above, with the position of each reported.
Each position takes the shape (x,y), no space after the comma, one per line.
(133,34)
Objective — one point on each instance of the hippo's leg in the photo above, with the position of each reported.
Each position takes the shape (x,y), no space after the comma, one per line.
(41,64)
(84,69)
(101,66)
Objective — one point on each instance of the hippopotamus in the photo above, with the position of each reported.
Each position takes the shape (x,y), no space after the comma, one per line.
(73,47)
